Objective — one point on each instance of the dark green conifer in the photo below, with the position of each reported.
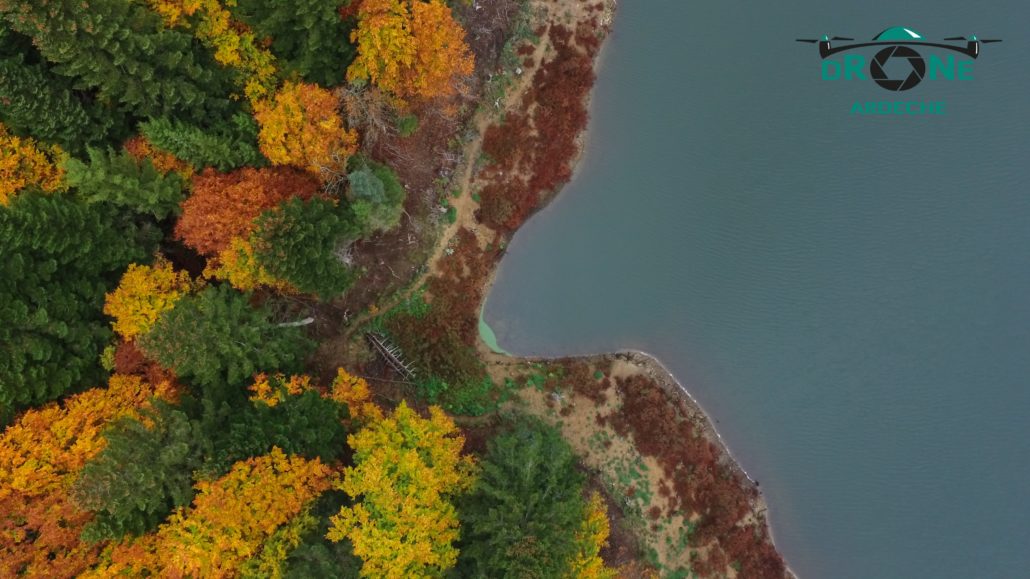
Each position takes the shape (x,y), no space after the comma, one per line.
(520,518)
(302,241)
(216,339)
(121,49)
(308,36)
(37,103)
(306,424)
(58,257)
(142,475)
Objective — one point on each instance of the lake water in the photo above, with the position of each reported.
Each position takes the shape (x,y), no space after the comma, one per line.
(848,297)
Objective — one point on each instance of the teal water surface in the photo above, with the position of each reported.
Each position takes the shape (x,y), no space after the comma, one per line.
(848,297)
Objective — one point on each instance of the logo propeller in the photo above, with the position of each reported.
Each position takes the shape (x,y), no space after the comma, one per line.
(825,38)
(973,38)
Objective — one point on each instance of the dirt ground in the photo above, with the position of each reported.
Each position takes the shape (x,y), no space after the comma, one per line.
(683,508)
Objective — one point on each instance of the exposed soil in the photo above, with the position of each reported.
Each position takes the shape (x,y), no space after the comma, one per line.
(677,500)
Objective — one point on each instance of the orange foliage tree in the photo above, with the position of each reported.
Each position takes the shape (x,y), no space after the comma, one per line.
(140,148)
(40,456)
(406,469)
(346,389)
(143,294)
(273,390)
(224,205)
(230,520)
(24,163)
(410,48)
(355,393)
(300,126)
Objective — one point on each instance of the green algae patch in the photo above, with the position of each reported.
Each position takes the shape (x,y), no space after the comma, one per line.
(486,333)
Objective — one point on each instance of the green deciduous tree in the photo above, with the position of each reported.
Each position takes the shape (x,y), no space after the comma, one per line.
(308,36)
(216,337)
(119,179)
(376,197)
(226,146)
(521,517)
(121,49)
(301,242)
(57,258)
(142,475)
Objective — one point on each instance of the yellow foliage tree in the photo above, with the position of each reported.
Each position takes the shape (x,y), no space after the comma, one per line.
(40,456)
(301,126)
(406,469)
(25,163)
(46,444)
(237,265)
(143,294)
(233,519)
(270,563)
(275,389)
(591,537)
(354,392)
(234,46)
(410,48)
(385,46)
(233,516)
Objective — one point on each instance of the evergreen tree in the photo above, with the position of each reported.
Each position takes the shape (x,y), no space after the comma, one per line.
(121,49)
(57,258)
(142,475)
(225,147)
(376,197)
(119,179)
(300,242)
(40,104)
(14,44)
(308,36)
(316,556)
(216,338)
(304,424)
(520,518)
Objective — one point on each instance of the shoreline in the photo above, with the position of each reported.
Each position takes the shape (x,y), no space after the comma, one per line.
(678,394)
(534,140)
(647,364)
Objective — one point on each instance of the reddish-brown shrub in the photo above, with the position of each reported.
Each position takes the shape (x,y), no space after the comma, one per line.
(702,482)
(533,149)
(128,359)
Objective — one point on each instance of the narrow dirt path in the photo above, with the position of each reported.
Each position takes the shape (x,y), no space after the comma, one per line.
(464,204)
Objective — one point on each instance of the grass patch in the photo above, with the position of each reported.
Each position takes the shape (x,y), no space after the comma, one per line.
(407,125)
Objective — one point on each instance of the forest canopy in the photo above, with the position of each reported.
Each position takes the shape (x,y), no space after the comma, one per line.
(203,205)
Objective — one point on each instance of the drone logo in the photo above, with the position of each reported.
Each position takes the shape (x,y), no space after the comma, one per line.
(898,43)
